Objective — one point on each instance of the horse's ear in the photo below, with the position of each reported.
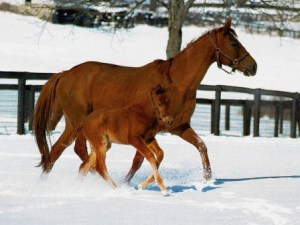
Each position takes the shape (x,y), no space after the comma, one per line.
(227,25)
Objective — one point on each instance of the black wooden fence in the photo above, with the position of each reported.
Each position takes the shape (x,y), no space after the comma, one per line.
(251,108)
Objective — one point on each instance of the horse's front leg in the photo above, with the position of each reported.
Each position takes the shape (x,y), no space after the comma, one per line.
(189,135)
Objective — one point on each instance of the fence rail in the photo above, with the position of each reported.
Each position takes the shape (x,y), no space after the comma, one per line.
(251,108)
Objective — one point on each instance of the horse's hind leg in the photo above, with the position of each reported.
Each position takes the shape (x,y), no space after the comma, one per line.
(80,147)
(136,164)
(60,145)
(56,115)
(80,144)
(153,147)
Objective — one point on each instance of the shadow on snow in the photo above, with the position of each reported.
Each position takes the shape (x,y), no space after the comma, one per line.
(216,184)
(228,180)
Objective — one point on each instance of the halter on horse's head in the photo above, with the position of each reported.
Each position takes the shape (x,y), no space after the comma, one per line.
(229,51)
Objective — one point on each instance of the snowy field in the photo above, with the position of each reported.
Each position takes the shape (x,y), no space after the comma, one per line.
(256,181)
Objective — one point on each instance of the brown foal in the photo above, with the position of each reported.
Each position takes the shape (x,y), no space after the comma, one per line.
(136,124)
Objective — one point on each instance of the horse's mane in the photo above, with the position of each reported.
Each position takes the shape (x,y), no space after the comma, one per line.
(198,38)
(164,67)
(229,31)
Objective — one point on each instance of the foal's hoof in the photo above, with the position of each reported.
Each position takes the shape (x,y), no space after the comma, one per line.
(165,193)
(142,185)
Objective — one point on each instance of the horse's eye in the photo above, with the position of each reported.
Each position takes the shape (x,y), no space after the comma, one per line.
(234,44)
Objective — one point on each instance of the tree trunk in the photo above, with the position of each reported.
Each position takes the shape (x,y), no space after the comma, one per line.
(177,10)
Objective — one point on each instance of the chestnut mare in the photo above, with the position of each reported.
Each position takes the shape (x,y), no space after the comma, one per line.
(94,85)
(135,125)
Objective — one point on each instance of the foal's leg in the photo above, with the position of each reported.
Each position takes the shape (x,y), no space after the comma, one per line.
(154,148)
(88,164)
(141,146)
(190,136)
(100,147)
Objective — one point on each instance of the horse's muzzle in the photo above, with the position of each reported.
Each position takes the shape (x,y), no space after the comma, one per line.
(250,70)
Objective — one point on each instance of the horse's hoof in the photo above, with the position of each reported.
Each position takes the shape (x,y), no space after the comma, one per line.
(44,176)
(207,174)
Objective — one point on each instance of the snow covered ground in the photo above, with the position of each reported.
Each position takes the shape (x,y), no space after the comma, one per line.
(255,180)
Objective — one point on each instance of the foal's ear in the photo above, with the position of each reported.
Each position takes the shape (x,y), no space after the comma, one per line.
(227,25)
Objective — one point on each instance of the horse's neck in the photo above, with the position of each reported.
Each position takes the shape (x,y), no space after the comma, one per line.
(190,65)
(145,107)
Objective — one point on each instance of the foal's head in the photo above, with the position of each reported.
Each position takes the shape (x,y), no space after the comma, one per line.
(160,104)
(229,51)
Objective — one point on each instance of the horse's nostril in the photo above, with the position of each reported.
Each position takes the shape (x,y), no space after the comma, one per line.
(251,70)
(254,68)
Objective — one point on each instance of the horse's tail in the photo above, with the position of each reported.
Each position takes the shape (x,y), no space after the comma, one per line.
(42,116)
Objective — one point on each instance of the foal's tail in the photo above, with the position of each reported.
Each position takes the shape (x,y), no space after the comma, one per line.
(42,116)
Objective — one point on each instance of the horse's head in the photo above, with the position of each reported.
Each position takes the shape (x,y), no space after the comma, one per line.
(230,52)
(160,104)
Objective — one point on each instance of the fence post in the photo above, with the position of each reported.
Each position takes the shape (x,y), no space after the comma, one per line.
(227,117)
(246,119)
(294,115)
(217,112)
(276,120)
(212,119)
(21,106)
(256,112)
(298,116)
(281,117)
(31,105)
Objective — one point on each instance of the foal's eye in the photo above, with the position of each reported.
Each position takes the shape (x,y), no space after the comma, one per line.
(234,44)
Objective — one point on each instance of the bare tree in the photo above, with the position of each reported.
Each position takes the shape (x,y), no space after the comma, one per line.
(277,12)
(178,10)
